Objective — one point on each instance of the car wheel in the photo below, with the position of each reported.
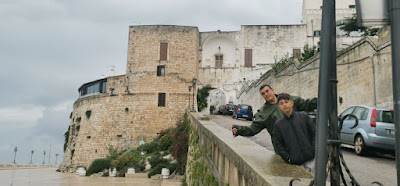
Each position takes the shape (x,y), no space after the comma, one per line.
(359,145)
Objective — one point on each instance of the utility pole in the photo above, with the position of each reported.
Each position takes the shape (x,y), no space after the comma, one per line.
(394,18)
(31,156)
(327,98)
(44,156)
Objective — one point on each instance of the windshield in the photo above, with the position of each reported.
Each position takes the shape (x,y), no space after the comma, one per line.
(387,116)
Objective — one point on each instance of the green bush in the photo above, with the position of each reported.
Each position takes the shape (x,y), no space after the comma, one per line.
(202,95)
(98,165)
(78,119)
(149,147)
(156,160)
(66,138)
(158,169)
(127,160)
(165,142)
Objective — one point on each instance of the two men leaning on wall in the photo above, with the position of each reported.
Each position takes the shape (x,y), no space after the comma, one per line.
(270,113)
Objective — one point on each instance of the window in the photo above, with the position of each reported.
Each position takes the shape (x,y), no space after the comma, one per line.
(161,70)
(359,112)
(219,59)
(161,99)
(248,57)
(296,53)
(112,91)
(352,6)
(103,87)
(348,111)
(119,136)
(317,33)
(88,137)
(163,51)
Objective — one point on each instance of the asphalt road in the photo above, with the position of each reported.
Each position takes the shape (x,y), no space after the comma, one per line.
(376,166)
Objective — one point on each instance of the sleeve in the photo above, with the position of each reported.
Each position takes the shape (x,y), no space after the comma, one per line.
(279,145)
(251,130)
(307,105)
(311,130)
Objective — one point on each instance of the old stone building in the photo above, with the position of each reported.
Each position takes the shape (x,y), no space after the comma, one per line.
(232,60)
(123,110)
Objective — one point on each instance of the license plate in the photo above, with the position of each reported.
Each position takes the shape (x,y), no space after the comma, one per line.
(245,116)
(392,132)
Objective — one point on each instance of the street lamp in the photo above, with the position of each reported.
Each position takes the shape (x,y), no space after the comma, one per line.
(190,88)
(56,158)
(44,156)
(31,156)
(15,153)
(194,88)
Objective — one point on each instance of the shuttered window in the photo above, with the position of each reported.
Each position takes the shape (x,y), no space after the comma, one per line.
(297,53)
(219,59)
(161,99)
(248,57)
(163,51)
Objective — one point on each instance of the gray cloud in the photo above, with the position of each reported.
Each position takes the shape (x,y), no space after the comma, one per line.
(49,48)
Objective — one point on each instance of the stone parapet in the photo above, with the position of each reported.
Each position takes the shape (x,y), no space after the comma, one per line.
(239,161)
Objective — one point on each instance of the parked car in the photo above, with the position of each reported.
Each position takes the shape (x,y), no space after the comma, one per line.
(227,109)
(375,128)
(243,111)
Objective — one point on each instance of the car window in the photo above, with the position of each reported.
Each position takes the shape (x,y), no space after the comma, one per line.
(359,112)
(387,116)
(347,111)
(244,107)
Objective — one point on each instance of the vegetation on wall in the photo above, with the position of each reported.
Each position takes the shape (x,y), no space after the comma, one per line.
(78,119)
(66,138)
(70,116)
(173,141)
(350,25)
(202,95)
(282,62)
(200,173)
(88,113)
(308,52)
(99,165)
(126,109)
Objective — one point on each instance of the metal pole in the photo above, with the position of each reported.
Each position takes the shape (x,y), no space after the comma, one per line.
(31,156)
(44,156)
(193,97)
(328,49)
(190,87)
(15,154)
(49,154)
(394,17)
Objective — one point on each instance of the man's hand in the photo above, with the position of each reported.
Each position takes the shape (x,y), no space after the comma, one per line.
(234,130)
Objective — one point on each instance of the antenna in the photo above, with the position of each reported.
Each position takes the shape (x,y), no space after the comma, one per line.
(112,71)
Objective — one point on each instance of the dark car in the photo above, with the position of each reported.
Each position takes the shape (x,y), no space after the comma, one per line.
(375,128)
(227,109)
(243,111)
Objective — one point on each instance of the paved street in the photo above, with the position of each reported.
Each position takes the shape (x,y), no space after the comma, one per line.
(49,176)
(366,169)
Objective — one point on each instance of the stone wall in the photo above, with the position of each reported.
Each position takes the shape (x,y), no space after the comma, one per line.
(356,68)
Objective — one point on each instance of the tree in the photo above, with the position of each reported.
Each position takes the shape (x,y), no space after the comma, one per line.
(350,25)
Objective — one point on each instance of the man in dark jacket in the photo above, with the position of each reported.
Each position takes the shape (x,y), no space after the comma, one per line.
(294,135)
(270,113)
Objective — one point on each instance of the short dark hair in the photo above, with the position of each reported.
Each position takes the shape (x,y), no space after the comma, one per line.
(265,85)
(284,96)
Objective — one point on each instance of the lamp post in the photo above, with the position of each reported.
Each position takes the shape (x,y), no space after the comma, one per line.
(31,156)
(190,88)
(15,153)
(44,156)
(194,88)
(56,158)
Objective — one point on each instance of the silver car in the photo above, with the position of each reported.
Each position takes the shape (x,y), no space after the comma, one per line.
(375,128)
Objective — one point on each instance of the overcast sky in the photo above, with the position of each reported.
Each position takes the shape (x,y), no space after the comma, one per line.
(49,48)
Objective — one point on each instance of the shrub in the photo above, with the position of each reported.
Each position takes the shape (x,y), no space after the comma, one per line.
(98,165)
(78,119)
(156,160)
(202,95)
(165,142)
(179,147)
(126,109)
(125,160)
(149,147)
(70,116)
(282,62)
(158,169)
(78,127)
